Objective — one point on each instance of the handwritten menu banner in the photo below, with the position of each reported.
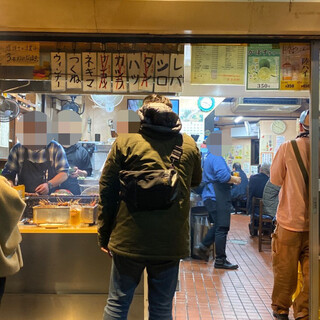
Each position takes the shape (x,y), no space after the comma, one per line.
(161,83)
(147,72)
(134,63)
(19,53)
(74,71)
(117,72)
(58,71)
(295,66)
(104,72)
(176,72)
(263,66)
(218,64)
(89,71)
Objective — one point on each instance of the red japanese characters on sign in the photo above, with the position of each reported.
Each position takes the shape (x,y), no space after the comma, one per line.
(146,72)
(119,72)
(104,72)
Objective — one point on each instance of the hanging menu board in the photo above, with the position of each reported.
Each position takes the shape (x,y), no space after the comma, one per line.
(295,66)
(218,64)
(19,53)
(263,66)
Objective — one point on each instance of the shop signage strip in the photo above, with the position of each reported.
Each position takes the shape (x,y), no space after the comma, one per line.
(117,72)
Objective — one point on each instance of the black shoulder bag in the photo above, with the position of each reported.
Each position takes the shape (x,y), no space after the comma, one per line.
(151,189)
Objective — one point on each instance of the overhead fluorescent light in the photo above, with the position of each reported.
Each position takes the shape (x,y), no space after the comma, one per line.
(238,119)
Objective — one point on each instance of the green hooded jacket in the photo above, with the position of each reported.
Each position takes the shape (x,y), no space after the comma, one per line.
(157,234)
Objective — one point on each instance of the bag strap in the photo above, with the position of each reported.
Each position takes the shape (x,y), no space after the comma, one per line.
(300,162)
(177,151)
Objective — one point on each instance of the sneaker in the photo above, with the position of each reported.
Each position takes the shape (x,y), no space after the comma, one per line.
(225,265)
(202,252)
(281,316)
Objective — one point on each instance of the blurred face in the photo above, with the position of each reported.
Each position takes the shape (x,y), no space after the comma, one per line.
(32,130)
(69,128)
(214,144)
(128,121)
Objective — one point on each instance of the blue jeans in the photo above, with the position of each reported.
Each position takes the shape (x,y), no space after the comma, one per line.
(125,277)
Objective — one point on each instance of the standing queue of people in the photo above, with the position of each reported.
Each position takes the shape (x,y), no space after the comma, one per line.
(156,239)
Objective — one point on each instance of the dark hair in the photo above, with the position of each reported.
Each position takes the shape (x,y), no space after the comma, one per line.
(157,98)
(236,166)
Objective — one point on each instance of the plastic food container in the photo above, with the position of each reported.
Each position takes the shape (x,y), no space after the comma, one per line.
(51,214)
(89,214)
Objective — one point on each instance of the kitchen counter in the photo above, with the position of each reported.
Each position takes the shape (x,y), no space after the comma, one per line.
(54,229)
(65,276)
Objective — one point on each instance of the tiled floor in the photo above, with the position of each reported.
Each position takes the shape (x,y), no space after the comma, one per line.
(207,293)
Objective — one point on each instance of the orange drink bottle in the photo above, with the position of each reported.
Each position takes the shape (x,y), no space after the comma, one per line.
(236,173)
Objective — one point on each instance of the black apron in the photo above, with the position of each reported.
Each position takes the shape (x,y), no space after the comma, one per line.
(33,174)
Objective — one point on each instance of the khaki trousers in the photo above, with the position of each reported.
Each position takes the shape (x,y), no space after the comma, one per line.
(289,247)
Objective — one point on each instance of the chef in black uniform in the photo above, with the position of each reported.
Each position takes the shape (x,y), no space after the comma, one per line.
(69,133)
(80,166)
(35,162)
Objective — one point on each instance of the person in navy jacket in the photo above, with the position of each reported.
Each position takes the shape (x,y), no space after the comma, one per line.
(216,196)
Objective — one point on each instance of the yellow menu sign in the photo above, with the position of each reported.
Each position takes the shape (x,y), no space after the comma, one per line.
(218,64)
(295,66)
(19,53)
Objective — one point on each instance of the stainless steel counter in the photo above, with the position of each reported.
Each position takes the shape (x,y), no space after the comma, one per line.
(65,274)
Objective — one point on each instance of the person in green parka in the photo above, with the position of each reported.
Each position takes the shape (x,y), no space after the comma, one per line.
(156,239)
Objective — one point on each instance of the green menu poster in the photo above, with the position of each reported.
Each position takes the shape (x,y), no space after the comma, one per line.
(263,67)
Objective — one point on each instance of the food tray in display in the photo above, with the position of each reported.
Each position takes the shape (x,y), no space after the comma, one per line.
(51,214)
(89,214)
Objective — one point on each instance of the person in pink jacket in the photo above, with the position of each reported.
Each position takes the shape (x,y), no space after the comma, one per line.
(290,241)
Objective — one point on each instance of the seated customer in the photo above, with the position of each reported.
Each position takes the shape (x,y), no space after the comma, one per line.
(11,209)
(239,192)
(257,183)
